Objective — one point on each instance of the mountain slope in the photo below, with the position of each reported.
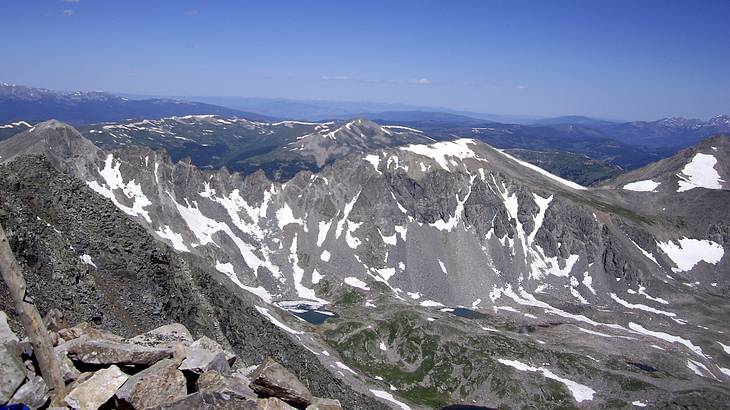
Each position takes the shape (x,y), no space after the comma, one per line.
(81,254)
(422,229)
(19,102)
(701,166)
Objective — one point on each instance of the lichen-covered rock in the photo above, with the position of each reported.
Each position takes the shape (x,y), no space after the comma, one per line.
(34,393)
(273,380)
(97,390)
(12,372)
(159,384)
(100,351)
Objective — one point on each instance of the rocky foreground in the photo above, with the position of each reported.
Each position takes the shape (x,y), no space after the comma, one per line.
(165,368)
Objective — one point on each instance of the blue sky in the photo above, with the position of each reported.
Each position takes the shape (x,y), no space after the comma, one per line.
(610,59)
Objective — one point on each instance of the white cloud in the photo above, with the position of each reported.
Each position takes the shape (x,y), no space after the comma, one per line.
(68,12)
(421,81)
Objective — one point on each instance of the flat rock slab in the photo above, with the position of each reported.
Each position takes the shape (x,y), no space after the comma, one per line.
(273,380)
(97,390)
(12,372)
(199,361)
(110,352)
(159,384)
(164,336)
(209,401)
(34,393)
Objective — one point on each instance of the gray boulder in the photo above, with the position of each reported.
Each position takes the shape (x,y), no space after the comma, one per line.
(273,380)
(12,372)
(324,404)
(102,351)
(209,401)
(68,370)
(34,393)
(272,403)
(97,390)
(6,334)
(209,344)
(199,361)
(235,385)
(159,384)
(164,336)
(88,330)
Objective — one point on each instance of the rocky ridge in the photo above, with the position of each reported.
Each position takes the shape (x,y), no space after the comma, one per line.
(164,368)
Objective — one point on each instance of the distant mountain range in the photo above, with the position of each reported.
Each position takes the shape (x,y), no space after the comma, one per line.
(663,137)
(18,102)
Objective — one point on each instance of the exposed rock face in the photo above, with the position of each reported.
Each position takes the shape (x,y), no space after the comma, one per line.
(272,379)
(97,390)
(158,384)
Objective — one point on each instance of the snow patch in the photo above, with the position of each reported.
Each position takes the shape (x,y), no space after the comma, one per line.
(646,185)
(700,172)
(689,252)
(356,283)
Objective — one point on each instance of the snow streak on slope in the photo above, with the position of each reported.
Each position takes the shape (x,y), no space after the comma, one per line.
(132,190)
(535,168)
(580,392)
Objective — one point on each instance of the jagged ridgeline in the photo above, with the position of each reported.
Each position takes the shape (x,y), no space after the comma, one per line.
(421,273)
